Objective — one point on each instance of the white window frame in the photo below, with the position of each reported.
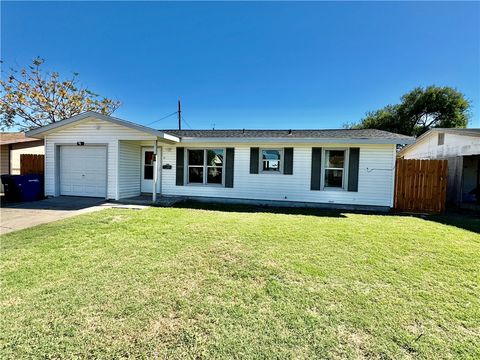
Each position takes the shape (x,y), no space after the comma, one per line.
(204,166)
(260,161)
(345,169)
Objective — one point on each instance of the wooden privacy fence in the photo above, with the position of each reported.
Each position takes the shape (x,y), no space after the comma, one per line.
(31,164)
(421,185)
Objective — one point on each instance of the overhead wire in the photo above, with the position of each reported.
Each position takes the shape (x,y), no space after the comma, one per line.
(186,122)
(163,118)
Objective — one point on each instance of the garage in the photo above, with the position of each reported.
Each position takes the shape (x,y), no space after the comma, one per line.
(83,170)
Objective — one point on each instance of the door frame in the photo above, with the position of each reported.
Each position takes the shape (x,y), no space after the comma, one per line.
(142,164)
(57,165)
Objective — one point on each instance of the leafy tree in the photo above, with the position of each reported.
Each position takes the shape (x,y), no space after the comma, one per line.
(31,98)
(420,110)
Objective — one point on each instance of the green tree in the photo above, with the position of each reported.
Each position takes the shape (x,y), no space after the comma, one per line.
(420,110)
(31,97)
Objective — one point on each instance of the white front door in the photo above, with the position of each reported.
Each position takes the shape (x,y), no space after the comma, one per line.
(147,170)
(83,170)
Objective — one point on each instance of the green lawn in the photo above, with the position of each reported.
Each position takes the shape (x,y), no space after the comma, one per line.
(192,283)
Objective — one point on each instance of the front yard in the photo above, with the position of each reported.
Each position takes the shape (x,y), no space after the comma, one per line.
(192,283)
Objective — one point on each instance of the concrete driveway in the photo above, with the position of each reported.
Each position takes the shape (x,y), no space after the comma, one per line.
(17,216)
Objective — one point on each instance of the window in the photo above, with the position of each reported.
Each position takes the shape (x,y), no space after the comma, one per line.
(271,160)
(334,169)
(441,138)
(148,166)
(205,166)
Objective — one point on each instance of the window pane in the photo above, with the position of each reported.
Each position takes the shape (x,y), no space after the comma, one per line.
(148,172)
(215,157)
(270,154)
(271,160)
(195,175)
(195,157)
(335,158)
(333,178)
(214,175)
(271,165)
(148,157)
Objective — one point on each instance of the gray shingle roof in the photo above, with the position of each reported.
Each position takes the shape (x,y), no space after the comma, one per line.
(311,134)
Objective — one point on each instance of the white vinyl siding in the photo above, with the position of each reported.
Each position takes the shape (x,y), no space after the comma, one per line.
(90,131)
(130,168)
(375,184)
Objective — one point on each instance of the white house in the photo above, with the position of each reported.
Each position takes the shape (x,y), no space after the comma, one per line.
(96,155)
(461,147)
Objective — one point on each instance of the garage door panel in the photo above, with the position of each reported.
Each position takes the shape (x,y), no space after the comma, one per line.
(83,170)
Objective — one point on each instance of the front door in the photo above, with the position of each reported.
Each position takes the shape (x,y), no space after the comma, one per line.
(147,170)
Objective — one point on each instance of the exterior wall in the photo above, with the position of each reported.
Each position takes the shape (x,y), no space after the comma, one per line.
(34,147)
(454,145)
(90,131)
(4,160)
(375,185)
(129,170)
(4,163)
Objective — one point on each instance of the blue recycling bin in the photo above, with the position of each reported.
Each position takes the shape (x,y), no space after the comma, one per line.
(31,187)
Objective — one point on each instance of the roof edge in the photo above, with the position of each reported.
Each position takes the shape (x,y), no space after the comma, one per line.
(37,133)
(379,141)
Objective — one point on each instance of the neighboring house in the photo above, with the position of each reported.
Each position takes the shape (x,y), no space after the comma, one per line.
(96,155)
(12,145)
(461,147)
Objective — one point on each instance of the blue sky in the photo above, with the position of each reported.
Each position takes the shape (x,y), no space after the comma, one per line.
(251,65)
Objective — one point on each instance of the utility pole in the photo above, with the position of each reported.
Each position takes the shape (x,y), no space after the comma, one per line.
(179,116)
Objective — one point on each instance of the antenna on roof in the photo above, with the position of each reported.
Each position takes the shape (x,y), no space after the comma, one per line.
(179,116)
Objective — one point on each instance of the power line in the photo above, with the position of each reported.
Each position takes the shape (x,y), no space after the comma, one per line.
(183,119)
(153,122)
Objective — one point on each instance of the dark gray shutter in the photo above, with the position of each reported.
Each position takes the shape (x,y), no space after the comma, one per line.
(180,166)
(288,161)
(229,162)
(254,154)
(316,167)
(353,161)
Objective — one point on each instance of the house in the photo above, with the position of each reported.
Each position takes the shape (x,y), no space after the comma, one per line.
(12,145)
(103,156)
(461,147)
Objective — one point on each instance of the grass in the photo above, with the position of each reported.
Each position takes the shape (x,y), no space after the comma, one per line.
(193,283)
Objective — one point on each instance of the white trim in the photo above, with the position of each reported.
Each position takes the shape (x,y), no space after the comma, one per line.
(260,161)
(344,170)
(204,166)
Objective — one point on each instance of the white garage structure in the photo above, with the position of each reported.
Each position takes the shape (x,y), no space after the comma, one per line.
(82,156)
(102,156)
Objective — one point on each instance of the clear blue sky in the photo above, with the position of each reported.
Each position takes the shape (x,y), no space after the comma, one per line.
(252,65)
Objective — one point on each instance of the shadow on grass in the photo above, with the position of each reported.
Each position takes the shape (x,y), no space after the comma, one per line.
(467,221)
(260,209)
(464,220)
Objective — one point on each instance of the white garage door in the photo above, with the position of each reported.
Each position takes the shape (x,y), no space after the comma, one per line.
(83,171)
